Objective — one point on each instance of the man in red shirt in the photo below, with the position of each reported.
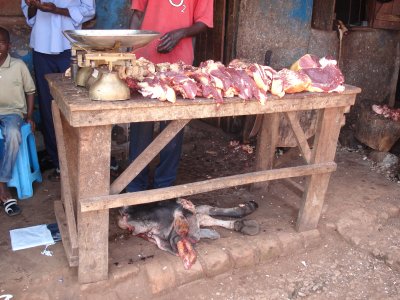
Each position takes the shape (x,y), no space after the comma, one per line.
(178,21)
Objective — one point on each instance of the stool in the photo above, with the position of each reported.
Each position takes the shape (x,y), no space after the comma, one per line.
(26,169)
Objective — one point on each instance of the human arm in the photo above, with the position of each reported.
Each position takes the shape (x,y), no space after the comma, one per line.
(30,101)
(29,90)
(29,10)
(136,19)
(84,11)
(170,39)
(34,5)
(52,8)
(47,7)
(32,8)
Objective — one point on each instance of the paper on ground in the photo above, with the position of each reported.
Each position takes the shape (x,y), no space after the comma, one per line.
(29,237)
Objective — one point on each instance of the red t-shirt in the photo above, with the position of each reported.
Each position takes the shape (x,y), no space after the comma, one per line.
(166,15)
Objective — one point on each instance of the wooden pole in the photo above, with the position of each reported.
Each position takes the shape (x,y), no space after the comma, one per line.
(104,202)
(395,77)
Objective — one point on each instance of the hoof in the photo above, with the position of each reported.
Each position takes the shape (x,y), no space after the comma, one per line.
(252,205)
(248,227)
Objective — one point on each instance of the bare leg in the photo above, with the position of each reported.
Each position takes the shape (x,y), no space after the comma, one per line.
(4,192)
(239,211)
(10,205)
(249,227)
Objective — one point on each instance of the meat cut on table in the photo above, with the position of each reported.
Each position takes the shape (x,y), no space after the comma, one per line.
(239,78)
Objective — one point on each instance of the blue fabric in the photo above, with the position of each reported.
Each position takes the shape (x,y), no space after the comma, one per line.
(46,64)
(26,169)
(10,126)
(141,135)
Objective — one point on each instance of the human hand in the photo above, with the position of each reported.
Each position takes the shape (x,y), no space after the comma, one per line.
(30,121)
(32,3)
(46,7)
(169,40)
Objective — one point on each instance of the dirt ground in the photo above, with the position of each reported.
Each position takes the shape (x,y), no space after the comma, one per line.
(357,257)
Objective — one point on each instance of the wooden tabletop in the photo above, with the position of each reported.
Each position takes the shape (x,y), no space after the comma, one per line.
(79,110)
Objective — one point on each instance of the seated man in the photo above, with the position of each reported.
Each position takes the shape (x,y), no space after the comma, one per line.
(16,104)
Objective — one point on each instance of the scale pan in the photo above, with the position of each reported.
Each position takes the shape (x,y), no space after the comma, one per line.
(111,38)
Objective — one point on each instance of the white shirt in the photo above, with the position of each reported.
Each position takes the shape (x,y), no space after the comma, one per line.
(47,28)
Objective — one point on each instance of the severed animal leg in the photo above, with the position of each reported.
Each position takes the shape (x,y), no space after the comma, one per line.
(248,227)
(186,253)
(206,233)
(239,211)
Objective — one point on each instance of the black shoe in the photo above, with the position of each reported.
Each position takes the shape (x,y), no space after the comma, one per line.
(45,161)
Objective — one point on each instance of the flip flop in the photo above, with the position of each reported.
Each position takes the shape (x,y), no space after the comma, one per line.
(11,208)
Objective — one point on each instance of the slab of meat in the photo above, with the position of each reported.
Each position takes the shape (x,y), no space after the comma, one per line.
(206,88)
(306,62)
(156,88)
(324,73)
(294,82)
(181,83)
(243,79)
(387,112)
(139,70)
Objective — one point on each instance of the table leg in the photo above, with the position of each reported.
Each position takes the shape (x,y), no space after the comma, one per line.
(93,179)
(328,128)
(266,146)
(65,209)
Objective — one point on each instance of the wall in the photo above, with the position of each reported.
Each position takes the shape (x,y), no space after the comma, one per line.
(285,28)
(113,14)
(281,26)
(368,61)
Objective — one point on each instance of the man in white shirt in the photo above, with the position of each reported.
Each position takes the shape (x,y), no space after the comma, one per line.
(52,52)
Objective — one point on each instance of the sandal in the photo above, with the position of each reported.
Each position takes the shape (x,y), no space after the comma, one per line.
(11,208)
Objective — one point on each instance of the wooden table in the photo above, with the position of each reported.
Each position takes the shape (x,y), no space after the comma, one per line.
(83,130)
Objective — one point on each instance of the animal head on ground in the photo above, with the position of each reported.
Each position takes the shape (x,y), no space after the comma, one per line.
(176,225)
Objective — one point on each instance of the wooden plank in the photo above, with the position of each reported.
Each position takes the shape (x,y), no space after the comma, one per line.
(65,183)
(299,135)
(232,23)
(266,146)
(93,180)
(198,111)
(71,134)
(106,202)
(323,14)
(147,155)
(328,128)
(385,15)
(395,77)
(80,111)
(307,120)
(70,252)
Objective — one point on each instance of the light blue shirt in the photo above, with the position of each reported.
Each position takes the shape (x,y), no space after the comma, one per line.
(47,28)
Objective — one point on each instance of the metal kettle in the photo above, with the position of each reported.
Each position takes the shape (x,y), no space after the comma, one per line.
(109,87)
(83,75)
